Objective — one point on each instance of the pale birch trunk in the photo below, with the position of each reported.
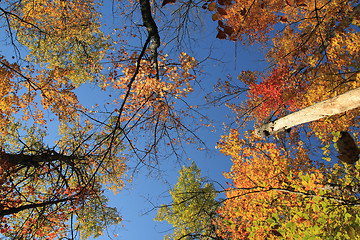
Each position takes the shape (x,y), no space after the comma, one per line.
(332,106)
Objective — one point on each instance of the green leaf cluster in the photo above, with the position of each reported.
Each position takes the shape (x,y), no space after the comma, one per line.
(193,207)
(95,216)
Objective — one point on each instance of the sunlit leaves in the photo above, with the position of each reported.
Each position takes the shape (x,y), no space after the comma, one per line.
(154,94)
(9,99)
(62,34)
(278,191)
(193,206)
(274,93)
(95,216)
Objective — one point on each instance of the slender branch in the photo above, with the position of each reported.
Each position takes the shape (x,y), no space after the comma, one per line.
(21,20)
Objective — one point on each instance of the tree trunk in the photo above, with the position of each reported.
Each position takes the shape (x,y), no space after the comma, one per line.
(332,106)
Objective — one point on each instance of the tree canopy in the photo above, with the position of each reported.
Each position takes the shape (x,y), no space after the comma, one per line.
(59,155)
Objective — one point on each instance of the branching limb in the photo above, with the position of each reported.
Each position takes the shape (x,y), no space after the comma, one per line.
(32,206)
(153,32)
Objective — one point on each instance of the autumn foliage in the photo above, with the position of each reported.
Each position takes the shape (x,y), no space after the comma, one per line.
(291,185)
(278,191)
(60,154)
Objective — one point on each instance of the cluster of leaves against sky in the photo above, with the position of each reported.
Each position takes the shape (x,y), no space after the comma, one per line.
(280,187)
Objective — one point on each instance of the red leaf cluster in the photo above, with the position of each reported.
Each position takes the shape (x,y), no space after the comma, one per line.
(275,91)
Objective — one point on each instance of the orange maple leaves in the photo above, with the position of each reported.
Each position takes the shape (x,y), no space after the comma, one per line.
(266,177)
(153,97)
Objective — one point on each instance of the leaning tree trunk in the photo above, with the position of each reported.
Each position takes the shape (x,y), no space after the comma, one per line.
(332,106)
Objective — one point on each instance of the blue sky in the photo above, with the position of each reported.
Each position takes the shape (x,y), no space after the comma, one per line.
(145,191)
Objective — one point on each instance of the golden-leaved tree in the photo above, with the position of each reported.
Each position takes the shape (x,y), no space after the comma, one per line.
(291,185)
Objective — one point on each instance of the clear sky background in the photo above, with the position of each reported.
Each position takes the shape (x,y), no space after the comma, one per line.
(136,202)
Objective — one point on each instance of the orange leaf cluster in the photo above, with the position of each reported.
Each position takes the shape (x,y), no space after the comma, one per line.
(262,173)
(153,94)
